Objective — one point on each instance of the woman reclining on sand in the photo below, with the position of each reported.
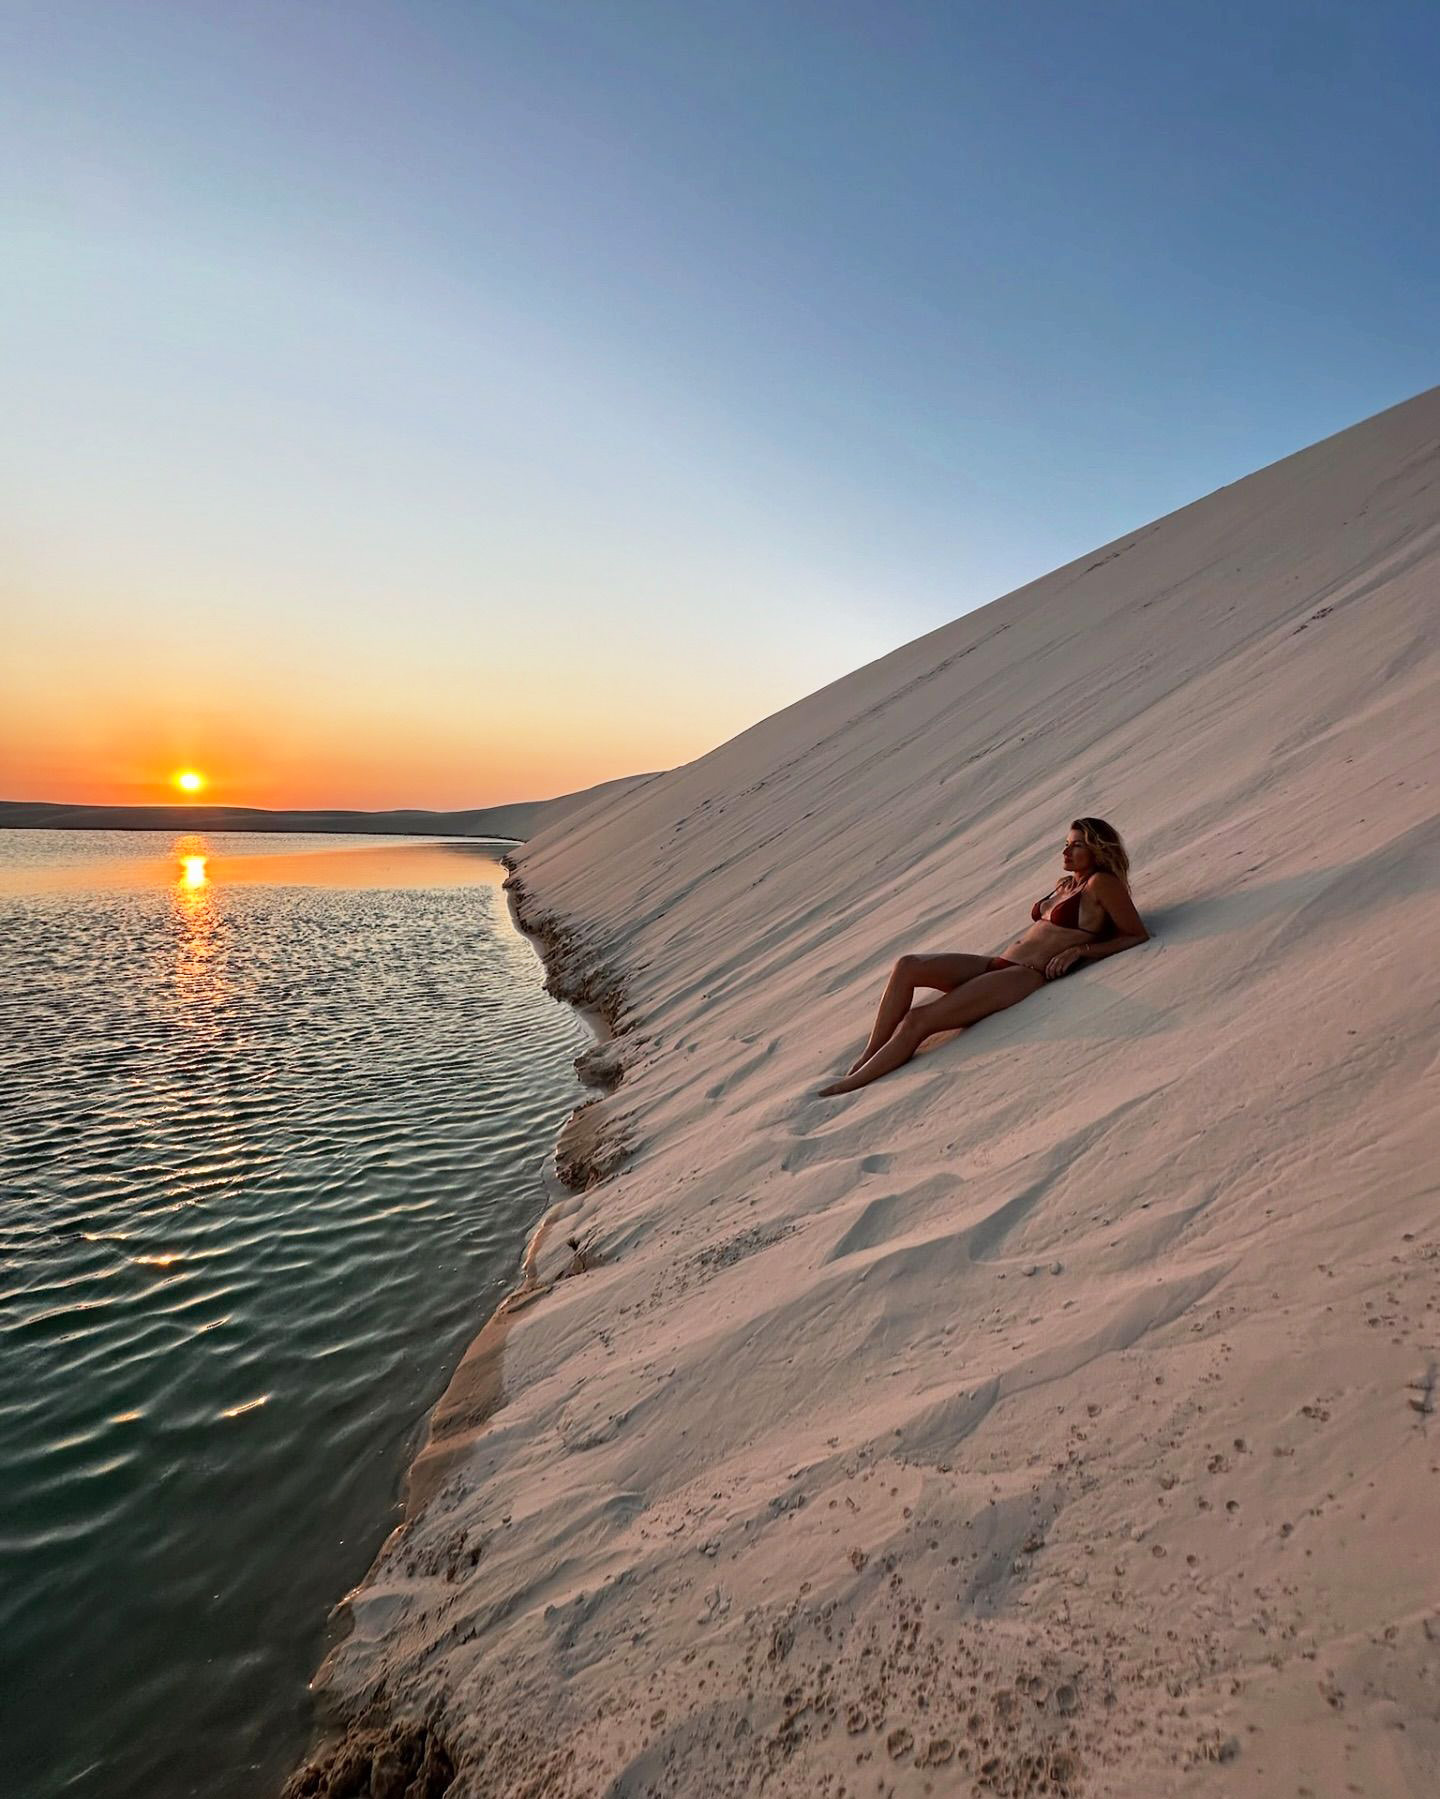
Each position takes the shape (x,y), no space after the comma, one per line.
(1091,915)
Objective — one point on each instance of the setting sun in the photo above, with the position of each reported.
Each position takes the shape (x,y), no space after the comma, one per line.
(188,781)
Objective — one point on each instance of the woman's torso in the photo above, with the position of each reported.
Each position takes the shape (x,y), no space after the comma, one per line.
(1085,922)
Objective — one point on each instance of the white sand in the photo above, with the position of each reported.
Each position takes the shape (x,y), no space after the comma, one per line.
(1045,1416)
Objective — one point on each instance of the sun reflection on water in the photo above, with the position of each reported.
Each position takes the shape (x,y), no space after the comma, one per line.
(198,977)
(250,1405)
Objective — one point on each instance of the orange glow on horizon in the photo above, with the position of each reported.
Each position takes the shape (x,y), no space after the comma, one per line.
(319,763)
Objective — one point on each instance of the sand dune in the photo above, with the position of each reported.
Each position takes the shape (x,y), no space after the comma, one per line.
(1057,1415)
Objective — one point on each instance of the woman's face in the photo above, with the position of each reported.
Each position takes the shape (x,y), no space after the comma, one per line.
(1079,857)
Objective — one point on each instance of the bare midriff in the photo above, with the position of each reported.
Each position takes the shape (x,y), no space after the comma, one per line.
(1042,940)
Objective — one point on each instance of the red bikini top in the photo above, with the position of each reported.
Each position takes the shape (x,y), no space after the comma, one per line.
(1066,912)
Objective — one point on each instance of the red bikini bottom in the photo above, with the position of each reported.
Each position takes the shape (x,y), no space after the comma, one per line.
(998,962)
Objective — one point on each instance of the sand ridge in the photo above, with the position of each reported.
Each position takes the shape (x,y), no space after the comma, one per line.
(1056,1415)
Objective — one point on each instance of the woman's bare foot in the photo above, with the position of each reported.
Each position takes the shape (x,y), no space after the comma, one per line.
(837,1086)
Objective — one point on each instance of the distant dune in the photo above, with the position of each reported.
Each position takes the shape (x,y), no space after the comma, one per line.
(518,820)
(1059,1415)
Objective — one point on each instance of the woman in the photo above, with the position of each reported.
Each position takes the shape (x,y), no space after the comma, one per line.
(1088,915)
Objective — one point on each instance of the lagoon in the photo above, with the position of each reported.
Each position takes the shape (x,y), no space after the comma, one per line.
(275,1115)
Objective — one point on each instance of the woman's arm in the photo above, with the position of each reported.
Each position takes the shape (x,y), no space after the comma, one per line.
(1112,946)
(1114,896)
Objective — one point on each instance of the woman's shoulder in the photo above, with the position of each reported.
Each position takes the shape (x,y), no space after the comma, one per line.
(1112,893)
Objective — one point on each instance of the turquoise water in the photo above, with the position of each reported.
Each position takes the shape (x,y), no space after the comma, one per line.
(274,1118)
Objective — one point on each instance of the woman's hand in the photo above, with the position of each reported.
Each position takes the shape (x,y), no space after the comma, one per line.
(1062,964)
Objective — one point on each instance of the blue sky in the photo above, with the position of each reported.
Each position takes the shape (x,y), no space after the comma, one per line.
(440,404)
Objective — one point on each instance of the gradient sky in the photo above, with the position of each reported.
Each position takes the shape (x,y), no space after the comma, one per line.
(443,404)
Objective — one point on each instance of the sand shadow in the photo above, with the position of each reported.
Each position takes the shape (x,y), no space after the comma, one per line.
(1408,866)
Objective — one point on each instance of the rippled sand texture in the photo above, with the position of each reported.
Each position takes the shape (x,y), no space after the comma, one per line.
(270,1151)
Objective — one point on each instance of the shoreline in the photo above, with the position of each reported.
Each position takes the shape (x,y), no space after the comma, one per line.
(583,1153)
(372,1746)
(273,830)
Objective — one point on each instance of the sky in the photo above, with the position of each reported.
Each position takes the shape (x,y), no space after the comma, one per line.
(443,403)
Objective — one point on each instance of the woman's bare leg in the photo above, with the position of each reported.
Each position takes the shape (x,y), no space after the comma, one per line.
(982,995)
(942,972)
(904,1041)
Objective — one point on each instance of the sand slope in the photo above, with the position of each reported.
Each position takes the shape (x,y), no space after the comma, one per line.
(1058,1414)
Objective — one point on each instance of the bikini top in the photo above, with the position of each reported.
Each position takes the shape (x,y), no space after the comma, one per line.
(1066,912)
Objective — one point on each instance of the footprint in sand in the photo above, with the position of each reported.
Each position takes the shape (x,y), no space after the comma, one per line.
(743,1072)
(798,1114)
(834,1146)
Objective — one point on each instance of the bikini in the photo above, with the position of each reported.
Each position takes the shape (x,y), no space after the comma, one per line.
(1066,913)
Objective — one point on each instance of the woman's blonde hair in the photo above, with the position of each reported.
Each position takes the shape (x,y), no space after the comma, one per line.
(1105,845)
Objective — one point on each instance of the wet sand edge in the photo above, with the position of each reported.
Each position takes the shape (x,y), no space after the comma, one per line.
(589,1146)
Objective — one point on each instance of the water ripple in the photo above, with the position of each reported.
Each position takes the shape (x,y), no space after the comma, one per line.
(268,1152)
